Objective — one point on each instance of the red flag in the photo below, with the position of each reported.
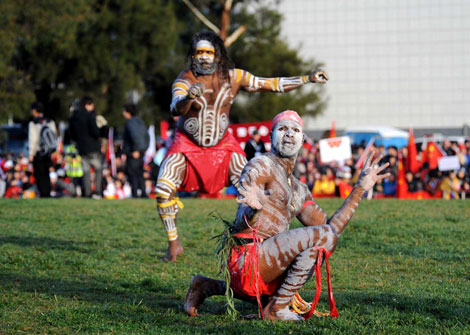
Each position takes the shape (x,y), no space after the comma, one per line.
(432,154)
(333,129)
(412,160)
(308,144)
(344,189)
(164,126)
(402,186)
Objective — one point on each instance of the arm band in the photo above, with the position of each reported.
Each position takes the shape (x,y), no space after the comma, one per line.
(306,203)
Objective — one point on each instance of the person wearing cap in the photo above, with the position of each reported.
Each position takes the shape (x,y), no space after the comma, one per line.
(204,155)
(268,262)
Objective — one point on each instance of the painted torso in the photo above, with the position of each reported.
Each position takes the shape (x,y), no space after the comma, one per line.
(207,120)
(288,195)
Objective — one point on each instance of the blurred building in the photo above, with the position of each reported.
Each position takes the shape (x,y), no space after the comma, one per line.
(394,63)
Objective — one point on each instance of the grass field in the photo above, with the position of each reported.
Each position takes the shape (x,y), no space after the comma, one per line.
(77,266)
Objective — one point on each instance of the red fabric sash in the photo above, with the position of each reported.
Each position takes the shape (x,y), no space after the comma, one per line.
(256,240)
(331,300)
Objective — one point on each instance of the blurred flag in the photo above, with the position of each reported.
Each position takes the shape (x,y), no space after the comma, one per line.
(164,126)
(412,159)
(110,155)
(333,129)
(344,189)
(152,143)
(361,159)
(402,187)
(60,145)
(308,144)
(432,154)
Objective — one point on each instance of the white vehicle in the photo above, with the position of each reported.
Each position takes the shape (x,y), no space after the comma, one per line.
(386,136)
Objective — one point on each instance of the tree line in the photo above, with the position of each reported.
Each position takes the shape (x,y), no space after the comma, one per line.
(121,51)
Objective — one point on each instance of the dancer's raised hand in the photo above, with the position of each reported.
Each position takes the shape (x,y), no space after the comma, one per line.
(370,172)
(252,195)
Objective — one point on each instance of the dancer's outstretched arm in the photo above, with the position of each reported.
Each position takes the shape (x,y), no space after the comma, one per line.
(313,215)
(252,83)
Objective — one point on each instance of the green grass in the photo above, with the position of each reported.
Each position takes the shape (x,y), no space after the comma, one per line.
(76,266)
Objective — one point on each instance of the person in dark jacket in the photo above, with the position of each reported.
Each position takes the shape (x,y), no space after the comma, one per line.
(254,146)
(86,134)
(135,143)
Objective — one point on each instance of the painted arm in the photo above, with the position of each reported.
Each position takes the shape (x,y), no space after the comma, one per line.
(252,83)
(312,214)
(184,94)
(252,193)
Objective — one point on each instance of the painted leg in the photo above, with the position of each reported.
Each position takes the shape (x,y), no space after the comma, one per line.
(297,275)
(200,289)
(292,251)
(170,178)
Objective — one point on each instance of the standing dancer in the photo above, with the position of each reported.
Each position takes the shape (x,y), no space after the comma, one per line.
(204,156)
(269,198)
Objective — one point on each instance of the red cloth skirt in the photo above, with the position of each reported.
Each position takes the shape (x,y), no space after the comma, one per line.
(242,271)
(206,167)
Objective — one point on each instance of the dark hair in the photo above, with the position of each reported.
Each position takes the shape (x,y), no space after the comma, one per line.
(86,100)
(131,109)
(38,107)
(224,62)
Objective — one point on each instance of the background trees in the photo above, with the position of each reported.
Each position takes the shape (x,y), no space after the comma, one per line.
(131,50)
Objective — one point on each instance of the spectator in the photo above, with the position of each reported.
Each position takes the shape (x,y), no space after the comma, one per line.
(390,185)
(411,182)
(85,132)
(136,142)
(464,183)
(432,183)
(325,186)
(74,168)
(447,147)
(60,188)
(42,138)
(254,146)
(450,186)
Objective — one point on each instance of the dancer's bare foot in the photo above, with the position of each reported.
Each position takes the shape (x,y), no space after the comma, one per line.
(199,289)
(274,311)
(194,296)
(174,250)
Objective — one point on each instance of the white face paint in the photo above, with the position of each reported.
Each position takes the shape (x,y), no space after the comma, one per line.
(204,58)
(205,51)
(287,138)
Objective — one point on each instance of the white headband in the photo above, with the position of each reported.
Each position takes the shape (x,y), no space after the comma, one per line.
(204,44)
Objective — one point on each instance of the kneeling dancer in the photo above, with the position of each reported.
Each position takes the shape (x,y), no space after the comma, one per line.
(269,262)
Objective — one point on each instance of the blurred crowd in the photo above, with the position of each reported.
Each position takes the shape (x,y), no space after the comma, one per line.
(427,181)
(93,165)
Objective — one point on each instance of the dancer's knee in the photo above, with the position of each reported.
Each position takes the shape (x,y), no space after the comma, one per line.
(328,239)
